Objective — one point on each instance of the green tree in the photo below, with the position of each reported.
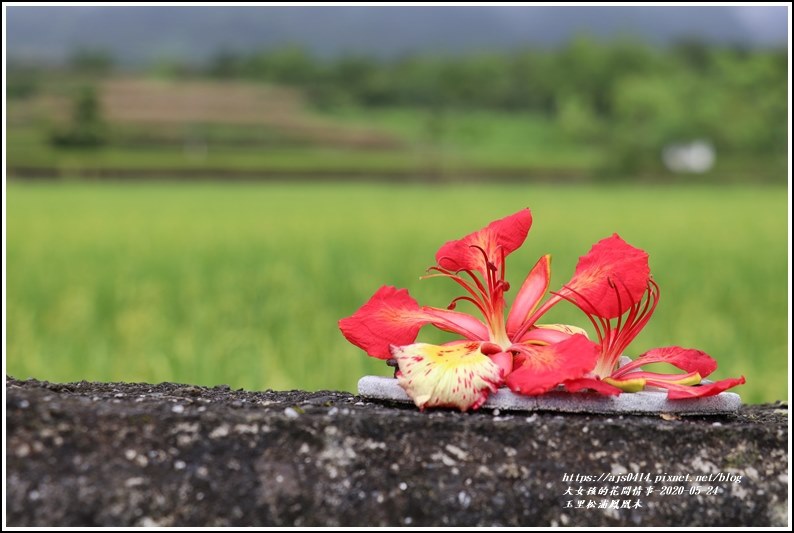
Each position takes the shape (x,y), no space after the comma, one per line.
(86,128)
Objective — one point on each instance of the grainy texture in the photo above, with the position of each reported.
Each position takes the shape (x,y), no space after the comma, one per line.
(102,454)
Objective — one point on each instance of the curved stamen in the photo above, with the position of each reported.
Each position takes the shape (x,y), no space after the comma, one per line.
(602,328)
(620,304)
(488,263)
(616,334)
(442,270)
(476,303)
(639,316)
(447,258)
(489,266)
(460,281)
(480,300)
(445,272)
(486,289)
(477,282)
(502,273)
(503,285)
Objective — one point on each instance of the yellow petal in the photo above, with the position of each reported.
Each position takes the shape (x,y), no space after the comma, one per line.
(544,334)
(564,328)
(626,385)
(686,379)
(636,381)
(453,375)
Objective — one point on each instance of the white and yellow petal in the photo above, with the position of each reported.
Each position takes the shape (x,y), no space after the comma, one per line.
(455,375)
(551,333)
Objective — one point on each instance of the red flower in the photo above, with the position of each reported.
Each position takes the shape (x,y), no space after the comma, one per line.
(618,316)
(611,284)
(462,373)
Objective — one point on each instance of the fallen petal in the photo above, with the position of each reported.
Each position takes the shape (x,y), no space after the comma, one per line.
(456,322)
(456,375)
(628,384)
(541,368)
(504,361)
(391,316)
(690,378)
(687,359)
(529,295)
(681,392)
(596,385)
(610,278)
(551,333)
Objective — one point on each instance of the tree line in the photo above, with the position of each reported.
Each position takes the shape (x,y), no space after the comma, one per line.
(636,96)
(632,97)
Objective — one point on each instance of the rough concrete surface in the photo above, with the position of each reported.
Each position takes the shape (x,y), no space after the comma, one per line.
(123,454)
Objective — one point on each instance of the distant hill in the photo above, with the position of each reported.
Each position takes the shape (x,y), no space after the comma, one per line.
(136,35)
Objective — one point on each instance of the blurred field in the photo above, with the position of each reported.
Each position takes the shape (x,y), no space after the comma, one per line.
(243,284)
(156,127)
(134,126)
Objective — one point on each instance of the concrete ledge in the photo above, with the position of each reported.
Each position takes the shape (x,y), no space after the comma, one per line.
(121,454)
(378,387)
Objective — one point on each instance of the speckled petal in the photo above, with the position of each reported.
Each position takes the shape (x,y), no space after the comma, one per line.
(454,375)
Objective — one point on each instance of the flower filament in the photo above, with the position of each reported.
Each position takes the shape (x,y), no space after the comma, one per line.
(488,297)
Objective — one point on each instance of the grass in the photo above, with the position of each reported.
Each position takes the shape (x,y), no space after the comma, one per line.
(29,148)
(243,284)
(481,139)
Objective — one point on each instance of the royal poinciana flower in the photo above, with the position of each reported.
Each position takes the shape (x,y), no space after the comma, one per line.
(616,330)
(531,358)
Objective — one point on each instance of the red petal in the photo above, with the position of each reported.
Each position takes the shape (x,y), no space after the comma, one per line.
(530,294)
(544,367)
(503,360)
(576,385)
(681,392)
(507,233)
(687,359)
(391,316)
(457,322)
(609,260)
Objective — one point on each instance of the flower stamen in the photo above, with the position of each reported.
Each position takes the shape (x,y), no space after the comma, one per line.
(615,337)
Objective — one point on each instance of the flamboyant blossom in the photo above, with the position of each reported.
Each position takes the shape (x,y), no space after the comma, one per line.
(611,284)
(462,373)
(618,317)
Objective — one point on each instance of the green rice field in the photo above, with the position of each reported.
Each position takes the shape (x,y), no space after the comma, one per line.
(243,284)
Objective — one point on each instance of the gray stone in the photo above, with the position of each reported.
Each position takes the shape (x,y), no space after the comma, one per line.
(378,387)
(119,454)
